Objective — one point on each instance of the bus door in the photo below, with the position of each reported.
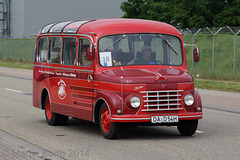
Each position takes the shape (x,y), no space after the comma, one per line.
(82,90)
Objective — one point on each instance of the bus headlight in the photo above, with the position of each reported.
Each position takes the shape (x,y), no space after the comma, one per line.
(133,102)
(189,100)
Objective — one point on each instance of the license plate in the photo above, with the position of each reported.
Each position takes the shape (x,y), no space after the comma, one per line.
(164,119)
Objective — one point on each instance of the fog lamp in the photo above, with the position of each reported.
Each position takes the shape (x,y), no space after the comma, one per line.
(199,109)
(119,112)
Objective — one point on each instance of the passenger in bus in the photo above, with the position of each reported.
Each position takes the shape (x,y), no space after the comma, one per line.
(83,56)
(70,55)
(56,58)
(145,56)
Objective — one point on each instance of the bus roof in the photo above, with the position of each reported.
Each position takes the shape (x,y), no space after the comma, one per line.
(101,27)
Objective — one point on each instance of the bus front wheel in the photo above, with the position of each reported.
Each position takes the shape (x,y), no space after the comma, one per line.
(187,127)
(108,129)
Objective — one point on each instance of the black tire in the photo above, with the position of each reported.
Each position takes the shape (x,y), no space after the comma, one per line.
(52,118)
(187,127)
(108,129)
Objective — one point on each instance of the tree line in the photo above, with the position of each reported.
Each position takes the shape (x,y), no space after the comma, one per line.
(185,13)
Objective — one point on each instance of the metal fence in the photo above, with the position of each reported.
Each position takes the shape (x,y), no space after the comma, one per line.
(219,51)
(19,49)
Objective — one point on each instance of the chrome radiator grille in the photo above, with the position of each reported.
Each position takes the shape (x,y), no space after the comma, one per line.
(162,100)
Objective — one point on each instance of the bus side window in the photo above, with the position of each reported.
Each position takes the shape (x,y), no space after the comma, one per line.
(54,49)
(84,44)
(69,51)
(42,50)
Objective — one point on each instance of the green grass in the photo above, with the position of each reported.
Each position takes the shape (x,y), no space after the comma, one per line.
(229,86)
(223,59)
(16,64)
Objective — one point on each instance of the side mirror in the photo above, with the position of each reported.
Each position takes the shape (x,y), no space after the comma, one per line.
(195,51)
(90,53)
(196,55)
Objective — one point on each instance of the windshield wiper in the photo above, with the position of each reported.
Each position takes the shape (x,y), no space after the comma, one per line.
(170,45)
(115,41)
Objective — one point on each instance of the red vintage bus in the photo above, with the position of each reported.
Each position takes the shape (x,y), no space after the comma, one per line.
(115,72)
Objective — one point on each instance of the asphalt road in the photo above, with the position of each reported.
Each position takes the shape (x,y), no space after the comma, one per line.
(24,130)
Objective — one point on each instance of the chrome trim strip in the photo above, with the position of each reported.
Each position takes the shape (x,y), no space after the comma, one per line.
(161,91)
(163,96)
(190,116)
(170,109)
(64,34)
(81,70)
(162,100)
(162,105)
(133,119)
(63,68)
(130,119)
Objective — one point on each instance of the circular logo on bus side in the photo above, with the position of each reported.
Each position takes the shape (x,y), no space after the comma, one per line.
(61,89)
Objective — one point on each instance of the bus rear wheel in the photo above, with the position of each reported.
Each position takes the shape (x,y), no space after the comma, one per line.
(52,118)
(108,129)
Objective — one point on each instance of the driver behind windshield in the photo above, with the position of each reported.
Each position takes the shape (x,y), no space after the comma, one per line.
(145,57)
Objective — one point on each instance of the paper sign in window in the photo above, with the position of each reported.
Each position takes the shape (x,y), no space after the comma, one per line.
(106,58)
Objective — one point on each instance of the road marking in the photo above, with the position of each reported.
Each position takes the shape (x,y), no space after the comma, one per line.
(12,90)
(199,131)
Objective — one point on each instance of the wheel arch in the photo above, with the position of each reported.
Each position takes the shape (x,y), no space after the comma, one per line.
(198,99)
(97,108)
(44,94)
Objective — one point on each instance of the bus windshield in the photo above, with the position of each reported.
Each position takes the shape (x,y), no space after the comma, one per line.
(140,49)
